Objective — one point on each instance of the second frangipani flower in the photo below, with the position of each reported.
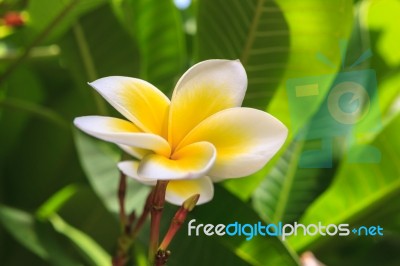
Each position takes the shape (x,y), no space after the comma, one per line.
(200,136)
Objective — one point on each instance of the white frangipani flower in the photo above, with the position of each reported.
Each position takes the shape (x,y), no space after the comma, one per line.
(200,136)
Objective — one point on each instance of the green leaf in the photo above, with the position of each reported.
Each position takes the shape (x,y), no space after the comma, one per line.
(287,190)
(358,189)
(34,109)
(254,32)
(52,18)
(55,202)
(22,226)
(389,91)
(326,23)
(271,198)
(92,251)
(36,236)
(382,18)
(367,250)
(86,60)
(158,31)
(15,122)
(24,132)
(64,203)
(99,161)
(83,209)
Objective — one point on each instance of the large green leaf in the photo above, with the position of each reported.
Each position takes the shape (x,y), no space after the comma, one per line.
(51,18)
(386,120)
(358,189)
(96,47)
(158,31)
(315,29)
(253,31)
(382,18)
(15,122)
(50,168)
(14,117)
(287,190)
(389,91)
(367,250)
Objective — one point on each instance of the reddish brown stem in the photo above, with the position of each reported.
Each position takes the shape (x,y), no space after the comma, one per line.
(143,216)
(121,200)
(121,258)
(131,219)
(124,242)
(156,213)
(178,220)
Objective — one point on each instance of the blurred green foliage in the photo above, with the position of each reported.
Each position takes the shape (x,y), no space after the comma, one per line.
(58,187)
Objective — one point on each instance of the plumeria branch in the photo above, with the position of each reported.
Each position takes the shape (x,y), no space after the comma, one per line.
(143,216)
(121,201)
(157,207)
(176,223)
(158,255)
(128,232)
(178,220)
(121,257)
(124,241)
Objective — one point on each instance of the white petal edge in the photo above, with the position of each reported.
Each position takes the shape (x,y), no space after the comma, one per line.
(231,73)
(106,128)
(130,168)
(177,193)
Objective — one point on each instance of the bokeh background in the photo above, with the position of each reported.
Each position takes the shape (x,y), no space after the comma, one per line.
(58,203)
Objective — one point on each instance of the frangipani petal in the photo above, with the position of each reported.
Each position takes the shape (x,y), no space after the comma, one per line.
(206,88)
(130,168)
(245,139)
(135,152)
(190,162)
(180,190)
(138,100)
(123,132)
